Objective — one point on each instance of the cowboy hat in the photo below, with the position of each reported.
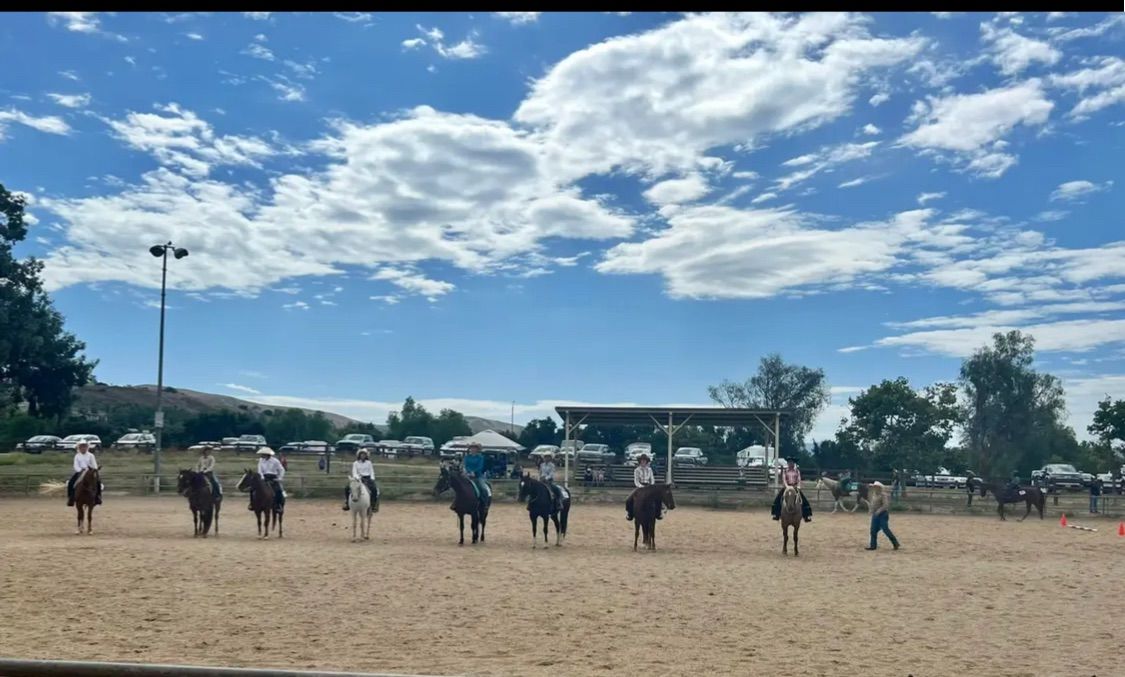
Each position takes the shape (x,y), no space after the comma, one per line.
(362,451)
(265,450)
(474,445)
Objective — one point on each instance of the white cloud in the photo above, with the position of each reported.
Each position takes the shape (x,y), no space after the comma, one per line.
(258,51)
(1096,30)
(677,191)
(414,282)
(855,182)
(390,300)
(927,197)
(413,43)
(879,98)
(241,388)
(435,37)
(871,130)
(1068,335)
(257,16)
(1100,86)
(519,18)
(1013,53)
(973,125)
(70,100)
(82,22)
(1052,215)
(763,198)
(286,89)
(69,75)
(366,18)
(193,36)
(296,305)
(824,159)
(656,101)
(1074,190)
(48,124)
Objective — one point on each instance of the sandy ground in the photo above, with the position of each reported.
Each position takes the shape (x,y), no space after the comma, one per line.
(965,595)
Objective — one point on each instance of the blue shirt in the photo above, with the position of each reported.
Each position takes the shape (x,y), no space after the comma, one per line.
(474,463)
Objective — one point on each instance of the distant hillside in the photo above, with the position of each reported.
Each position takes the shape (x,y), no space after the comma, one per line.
(93,399)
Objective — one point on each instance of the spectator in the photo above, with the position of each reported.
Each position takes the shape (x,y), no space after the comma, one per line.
(880,516)
(896,484)
(970,486)
(588,476)
(1095,493)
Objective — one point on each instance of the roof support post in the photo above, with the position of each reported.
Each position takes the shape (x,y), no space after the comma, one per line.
(566,457)
(671,432)
(777,436)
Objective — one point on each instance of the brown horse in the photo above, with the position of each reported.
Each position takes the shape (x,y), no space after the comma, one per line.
(263,501)
(790,517)
(1032,496)
(85,496)
(646,503)
(204,504)
(839,494)
(465,501)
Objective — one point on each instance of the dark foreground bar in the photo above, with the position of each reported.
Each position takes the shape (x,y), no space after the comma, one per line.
(13,667)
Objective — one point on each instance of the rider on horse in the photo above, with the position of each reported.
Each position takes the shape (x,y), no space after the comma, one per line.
(791,477)
(206,467)
(1013,488)
(272,472)
(474,468)
(547,476)
(364,471)
(642,477)
(83,459)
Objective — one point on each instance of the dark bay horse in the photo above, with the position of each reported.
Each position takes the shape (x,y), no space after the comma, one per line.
(465,501)
(790,517)
(646,503)
(86,496)
(263,502)
(203,503)
(1031,496)
(541,505)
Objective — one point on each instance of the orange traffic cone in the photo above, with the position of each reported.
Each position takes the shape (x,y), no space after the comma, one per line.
(1121,529)
(1062,522)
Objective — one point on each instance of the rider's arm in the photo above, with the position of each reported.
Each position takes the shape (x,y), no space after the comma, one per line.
(93,460)
(280,470)
(637,477)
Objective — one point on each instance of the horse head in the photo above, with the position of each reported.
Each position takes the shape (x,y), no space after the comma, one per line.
(244,483)
(666,496)
(789,498)
(357,488)
(183,481)
(525,487)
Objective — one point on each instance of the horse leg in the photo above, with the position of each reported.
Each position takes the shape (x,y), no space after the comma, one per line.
(89,518)
(652,535)
(796,530)
(217,507)
(195,523)
(565,518)
(534,530)
(278,519)
(636,532)
(483,521)
(78,507)
(558,533)
(1027,500)
(475,523)
(355,521)
(784,538)
(1000,509)
(546,531)
(461,522)
(258,516)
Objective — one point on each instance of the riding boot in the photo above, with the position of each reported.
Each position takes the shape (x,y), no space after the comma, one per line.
(98,495)
(251,506)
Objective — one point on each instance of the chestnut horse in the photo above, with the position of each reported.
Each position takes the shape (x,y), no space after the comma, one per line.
(263,502)
(86,496)
(790,517)
(646,503)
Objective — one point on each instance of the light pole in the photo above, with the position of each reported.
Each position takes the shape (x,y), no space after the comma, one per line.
(161,251)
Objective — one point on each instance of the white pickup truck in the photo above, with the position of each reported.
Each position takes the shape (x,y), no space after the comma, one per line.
(942,479)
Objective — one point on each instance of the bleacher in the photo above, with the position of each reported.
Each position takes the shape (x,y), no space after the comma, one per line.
(725,476)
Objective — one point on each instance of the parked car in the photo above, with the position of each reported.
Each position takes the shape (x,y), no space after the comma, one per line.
(306,447)
(689,456)
(569,448)
(136,441)
(597,453)
(417,446)
(454,448)
(1060,475)
(390,448)
(942,479)
(200,446)
(70,442)
(542,450)
(354,442)
(229,444)
(39,443)
(250,443)
(634,451)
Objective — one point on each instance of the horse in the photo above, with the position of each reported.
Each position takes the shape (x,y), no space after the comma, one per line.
(263,502)
(85,496)
(541,505)
(359,501)
(839,493)
(203,503)
(1031,496)
(790,517)
(646,503)
(465,501)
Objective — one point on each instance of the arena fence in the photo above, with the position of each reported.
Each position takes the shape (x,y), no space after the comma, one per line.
(15,667)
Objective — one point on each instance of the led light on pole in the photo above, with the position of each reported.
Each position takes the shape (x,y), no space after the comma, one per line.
(161,251)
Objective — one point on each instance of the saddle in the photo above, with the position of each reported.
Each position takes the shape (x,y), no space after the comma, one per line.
(481,488)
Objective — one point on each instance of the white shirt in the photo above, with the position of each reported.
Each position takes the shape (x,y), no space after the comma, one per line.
(270,466)
(547,471)
(363,469)
(83,461)
(643,476)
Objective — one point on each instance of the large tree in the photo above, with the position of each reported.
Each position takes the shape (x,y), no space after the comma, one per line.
(412,420)
(540,431)
(40,362)
(895,426)
(1014,414)
(1109,422)
(778,385)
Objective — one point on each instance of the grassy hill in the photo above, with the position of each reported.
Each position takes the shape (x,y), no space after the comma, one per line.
(93,400)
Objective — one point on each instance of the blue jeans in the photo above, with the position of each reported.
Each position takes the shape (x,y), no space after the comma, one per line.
(1093,503)
(881,522)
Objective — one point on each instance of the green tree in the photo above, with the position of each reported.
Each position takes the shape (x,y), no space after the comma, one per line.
(1109,421)
(778,385)
(413,419)
(1013,418)
(40,362)
(447,425)
(294,425)
(895,426)
(540,431)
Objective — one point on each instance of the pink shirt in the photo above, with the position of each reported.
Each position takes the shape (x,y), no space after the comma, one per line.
(791,476)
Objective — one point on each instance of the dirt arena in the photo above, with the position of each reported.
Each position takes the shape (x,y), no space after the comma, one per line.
(964,595)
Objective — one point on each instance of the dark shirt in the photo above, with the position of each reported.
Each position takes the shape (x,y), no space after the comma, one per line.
(1096,488)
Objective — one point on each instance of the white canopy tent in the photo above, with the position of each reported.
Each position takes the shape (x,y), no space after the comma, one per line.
(490,439)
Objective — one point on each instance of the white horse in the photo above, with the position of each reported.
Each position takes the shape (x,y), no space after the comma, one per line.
(833,487)
(359,503)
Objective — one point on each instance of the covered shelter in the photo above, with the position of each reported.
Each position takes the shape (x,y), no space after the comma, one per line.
(669,420)
(491,440)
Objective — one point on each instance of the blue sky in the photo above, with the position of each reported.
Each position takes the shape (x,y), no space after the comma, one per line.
(480,209)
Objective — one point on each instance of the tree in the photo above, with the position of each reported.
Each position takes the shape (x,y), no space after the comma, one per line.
(447,425)
(295,425)
(1109,421)
(540,431)
(413,419)
(894,426)
(778,385)
(1013,418)
(40,362)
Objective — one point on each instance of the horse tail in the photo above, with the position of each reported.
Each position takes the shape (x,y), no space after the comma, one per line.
(51,488)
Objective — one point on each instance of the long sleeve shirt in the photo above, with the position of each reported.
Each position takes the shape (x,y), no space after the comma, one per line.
(205,464)
(791,477)
(271,466)
(83,461)
(547,471)
(474,463)
(363,469)
(879,502)
(643,476)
